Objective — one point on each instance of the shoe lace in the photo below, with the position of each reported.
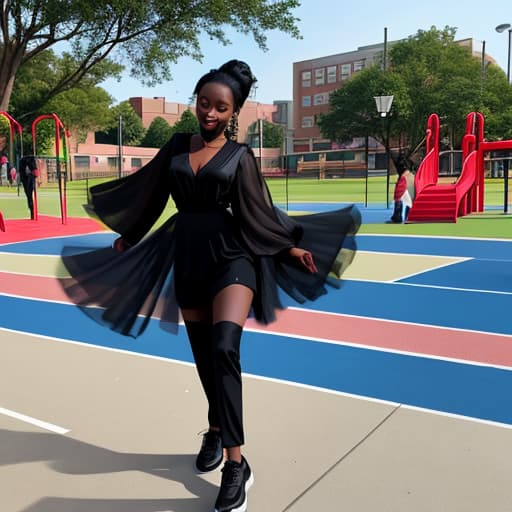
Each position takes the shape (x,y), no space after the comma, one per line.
(231,474)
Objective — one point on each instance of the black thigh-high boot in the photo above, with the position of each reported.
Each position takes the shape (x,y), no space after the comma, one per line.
(228,377)
(200,337)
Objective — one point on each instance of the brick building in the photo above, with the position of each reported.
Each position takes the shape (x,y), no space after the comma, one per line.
(149,108)
(313,82)
(315,79)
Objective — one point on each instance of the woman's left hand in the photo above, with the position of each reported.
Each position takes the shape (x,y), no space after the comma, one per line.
(121,245)
(304,257)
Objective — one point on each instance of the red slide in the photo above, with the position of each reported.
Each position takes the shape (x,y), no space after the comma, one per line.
(443,202)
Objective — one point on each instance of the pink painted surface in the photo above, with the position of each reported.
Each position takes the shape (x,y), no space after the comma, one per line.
(441,342)
(470,346)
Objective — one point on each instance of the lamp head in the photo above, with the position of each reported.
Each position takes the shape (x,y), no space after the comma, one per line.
(383,104)
(503,27)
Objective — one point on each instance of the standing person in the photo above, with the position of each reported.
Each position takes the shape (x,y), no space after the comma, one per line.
(14,176)
(220,258)
(404,192)
(4,171)
(28,172)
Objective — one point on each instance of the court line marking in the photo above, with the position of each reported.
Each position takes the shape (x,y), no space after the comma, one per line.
(444,237)
(415,255)
(388,320)
(393,282)
(453,288)
(331,313)
(55,237)
(34,421)
(273,379)
(423,355)
(430,269)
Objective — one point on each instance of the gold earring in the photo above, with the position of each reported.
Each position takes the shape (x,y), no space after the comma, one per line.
(232,129)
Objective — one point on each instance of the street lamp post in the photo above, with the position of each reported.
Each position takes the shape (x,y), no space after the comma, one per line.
(383,107)
(120,147)
(502,28)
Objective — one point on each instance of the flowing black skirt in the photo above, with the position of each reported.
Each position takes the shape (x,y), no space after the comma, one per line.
(125,290)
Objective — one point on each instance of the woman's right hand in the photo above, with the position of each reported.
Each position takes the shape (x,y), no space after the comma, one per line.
(305,258)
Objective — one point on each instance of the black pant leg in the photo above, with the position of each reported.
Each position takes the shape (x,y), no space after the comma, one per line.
(28,187)
(226,338)
(397,212)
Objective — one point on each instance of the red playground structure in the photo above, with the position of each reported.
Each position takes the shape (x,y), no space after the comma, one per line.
(446,202)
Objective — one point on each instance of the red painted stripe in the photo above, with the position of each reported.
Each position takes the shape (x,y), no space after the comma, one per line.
(32,287)
(468,346)
(390,335)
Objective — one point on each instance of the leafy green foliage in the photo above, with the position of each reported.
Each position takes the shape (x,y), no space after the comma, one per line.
(157,134)
(148,36)
(132,129)
(428,72)
(187,123)
(273,135)
(82,108)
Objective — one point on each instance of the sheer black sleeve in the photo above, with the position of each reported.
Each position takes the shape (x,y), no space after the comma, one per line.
(132,204)
(264,229)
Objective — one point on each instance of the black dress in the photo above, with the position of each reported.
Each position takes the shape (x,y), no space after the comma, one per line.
(226,230)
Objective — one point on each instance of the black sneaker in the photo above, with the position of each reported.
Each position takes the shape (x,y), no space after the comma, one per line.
(237,478)
(210,454)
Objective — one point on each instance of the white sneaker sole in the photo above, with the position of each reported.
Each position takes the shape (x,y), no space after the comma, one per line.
(243,506)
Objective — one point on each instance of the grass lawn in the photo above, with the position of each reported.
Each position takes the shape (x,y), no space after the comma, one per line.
(491,224)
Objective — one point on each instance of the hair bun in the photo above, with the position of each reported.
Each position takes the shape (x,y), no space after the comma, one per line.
(241,72)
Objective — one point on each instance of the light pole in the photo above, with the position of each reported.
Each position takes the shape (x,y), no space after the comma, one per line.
(120,147)
(383,107)
(502,28)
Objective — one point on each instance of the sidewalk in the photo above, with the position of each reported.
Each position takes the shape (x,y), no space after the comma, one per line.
(133,424)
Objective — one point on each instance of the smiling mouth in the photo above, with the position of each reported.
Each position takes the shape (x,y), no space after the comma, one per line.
(208,123)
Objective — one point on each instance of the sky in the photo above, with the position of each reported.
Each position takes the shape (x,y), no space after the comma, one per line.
(329,27)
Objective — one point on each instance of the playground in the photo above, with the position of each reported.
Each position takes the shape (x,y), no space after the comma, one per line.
(391,391)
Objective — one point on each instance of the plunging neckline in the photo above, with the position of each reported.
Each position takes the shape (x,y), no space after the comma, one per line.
(207,163)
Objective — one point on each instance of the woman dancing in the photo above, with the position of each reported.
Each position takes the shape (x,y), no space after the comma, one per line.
(221,258)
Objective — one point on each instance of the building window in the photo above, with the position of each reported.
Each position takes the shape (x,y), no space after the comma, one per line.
(320,76)
(306,101)
(136,163)
(306,79)
(346,71)
(321,98)
(331,74)
(308,121)
(358,65)
(82,162)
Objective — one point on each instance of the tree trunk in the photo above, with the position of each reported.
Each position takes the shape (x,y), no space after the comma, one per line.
(9,64)
(6,85)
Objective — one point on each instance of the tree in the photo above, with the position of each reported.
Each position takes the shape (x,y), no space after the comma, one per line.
(273,135)
(497,105)
(132,129)
(32,93)
(83,108)
(150,35)
(187,123)
(428,72)
(157,134)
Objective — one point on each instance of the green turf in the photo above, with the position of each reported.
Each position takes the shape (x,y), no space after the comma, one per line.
(485,225)
(343,191)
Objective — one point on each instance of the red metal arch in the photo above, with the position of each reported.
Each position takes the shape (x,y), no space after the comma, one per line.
(59,126)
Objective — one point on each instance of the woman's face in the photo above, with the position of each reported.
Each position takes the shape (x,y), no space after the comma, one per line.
(214,108)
